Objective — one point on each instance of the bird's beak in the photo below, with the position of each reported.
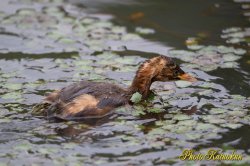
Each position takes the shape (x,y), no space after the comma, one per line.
(187,77)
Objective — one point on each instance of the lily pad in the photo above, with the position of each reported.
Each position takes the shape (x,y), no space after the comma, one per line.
(182,117)
(183,84)
(205,127)
(237,113)
(13,86)
(12,95)
(232,125)
(23,146)
(230,57)
(155,110)
(187,122)
(214,119)
(138,111)
(218,111)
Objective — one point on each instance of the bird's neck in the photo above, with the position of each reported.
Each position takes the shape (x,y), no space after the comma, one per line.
(142,82)
(140,85)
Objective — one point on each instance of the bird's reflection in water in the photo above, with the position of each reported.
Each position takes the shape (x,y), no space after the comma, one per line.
(79,126)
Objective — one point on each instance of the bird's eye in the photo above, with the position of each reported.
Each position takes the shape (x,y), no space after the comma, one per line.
(176,73)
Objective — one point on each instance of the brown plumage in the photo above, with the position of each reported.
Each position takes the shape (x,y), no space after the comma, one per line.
(96,99)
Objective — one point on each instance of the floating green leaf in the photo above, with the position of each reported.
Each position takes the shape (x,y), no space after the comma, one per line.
(136,97)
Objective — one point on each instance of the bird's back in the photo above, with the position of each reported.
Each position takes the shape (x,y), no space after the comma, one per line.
(83,99)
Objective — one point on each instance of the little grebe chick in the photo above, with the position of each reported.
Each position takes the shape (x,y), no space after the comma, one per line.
(96,99)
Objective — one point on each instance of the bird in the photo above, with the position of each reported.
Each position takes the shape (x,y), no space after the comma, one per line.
(96,99)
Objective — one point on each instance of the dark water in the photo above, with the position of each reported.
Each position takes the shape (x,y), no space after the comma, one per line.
(176,20)
(46,45)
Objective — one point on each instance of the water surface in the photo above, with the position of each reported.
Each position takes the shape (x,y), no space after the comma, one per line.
(46,45)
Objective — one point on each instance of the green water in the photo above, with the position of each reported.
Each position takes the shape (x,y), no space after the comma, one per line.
(46,45)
